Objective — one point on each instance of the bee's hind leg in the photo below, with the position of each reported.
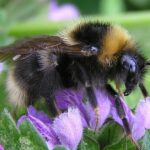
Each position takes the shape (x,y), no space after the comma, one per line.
(50,83)
(121,113)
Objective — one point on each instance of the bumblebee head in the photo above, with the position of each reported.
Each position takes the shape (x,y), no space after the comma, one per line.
(130,69)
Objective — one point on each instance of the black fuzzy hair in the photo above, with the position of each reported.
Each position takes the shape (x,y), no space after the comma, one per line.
(90,33)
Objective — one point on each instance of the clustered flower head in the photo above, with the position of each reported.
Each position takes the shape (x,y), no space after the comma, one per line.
(67,128)
(65,12)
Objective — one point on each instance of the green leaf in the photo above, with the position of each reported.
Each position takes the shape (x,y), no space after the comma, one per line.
(145,142)
(30,139)
(89,143)
(59,147)
(124,144)
(9,135)
(110,134)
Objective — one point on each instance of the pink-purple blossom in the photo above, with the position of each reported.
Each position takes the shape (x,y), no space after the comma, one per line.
(1,67)
(64,12)
(67,128)
(139,122)
(1,147)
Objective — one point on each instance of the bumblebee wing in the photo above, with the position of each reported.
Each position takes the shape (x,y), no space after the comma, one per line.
(25,47)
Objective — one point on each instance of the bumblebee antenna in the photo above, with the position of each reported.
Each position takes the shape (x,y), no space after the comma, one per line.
(143,90)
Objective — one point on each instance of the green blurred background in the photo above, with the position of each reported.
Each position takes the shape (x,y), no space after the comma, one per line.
(23,18)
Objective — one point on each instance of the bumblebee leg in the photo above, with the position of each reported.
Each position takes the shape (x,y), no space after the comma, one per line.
(143,90)
(31,100)
(93,101)
(91,97)
(50,100)
(49,84)
(121,113)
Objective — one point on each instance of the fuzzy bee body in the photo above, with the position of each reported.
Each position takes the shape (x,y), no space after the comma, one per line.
(28,80)
(90,54)
(86,56)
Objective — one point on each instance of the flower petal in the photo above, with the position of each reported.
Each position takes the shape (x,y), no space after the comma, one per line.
(129,115)
(138,128)
(68,98)
(144,109)
(142,119)
(68,128)
(71,98)
(46,131)
(104,109)
(1,147)
(39,115)
(42,125)
(21,119)
(1,67)
(64,12)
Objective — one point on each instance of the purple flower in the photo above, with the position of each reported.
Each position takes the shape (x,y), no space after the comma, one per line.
(129,115)
(66,129)
(68,98)
(64,12)
(39,115)
(104,106)
(1,147)
(1,67)
(142,119)
(139,122)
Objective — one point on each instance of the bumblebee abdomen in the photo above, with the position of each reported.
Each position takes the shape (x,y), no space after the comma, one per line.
(17,94)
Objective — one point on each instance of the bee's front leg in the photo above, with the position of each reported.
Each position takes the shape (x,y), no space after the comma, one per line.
(143,90)
(121,113)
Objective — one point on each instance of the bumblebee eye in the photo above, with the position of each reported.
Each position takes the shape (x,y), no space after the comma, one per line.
(129,63)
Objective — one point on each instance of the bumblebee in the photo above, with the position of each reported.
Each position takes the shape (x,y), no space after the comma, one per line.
(87,55)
